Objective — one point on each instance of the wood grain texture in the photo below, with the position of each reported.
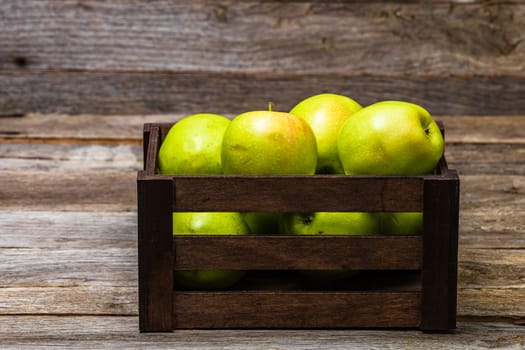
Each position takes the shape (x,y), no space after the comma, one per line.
(288,309)
(66,157)
(74,263)
(495,159)
(79,129)
(281,252)
(71,230)
(499,192)
(484,129)
(471,131)
(508,303)
(122,333)
(69,300)
(296,193)
(478,268)
(297,37)
(97,92)
(68,267)
(492,229)
(69,191)
(127,57)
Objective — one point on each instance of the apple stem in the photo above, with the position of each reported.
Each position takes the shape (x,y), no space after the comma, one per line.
(270,106)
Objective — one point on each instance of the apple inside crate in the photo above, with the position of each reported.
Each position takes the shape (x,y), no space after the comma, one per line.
(406,281)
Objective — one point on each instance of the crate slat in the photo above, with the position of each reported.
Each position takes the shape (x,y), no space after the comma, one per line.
(297,193)
(297,252)
(274,309)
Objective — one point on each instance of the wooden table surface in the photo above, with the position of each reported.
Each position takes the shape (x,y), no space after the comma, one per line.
(68,241)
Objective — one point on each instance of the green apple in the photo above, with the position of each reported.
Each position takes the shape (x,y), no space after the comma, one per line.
(329,223)
(216,223)
(390,138)
(269,143)
(326,113)
(193,145)
(401,223)
(261,223)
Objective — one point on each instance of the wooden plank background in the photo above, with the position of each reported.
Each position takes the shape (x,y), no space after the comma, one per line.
(132,56)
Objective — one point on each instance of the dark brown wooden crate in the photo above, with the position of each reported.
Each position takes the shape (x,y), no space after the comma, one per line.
(428,303)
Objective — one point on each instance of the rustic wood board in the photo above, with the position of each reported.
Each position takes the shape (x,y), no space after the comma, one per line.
(69,300)
(90,332)
(79,58)
(74,190)
(306,37)
(499,130)
(79,129)
(102,92)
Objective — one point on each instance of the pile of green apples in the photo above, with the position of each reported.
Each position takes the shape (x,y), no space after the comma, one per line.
(323,134)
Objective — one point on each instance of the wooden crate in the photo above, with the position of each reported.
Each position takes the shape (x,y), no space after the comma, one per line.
(409,281)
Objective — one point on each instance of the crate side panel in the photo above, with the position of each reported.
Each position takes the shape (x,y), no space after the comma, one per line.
(298,193)
(296,309)
(298,252)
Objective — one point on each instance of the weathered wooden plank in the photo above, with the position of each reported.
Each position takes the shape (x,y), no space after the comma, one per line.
(69,300)
(291,309)
(66,157)
(492,229)
(57,230)
(251,252)
(69,191)
(491,268)
(493,192)
(306,37)
(90,332)
(36,267)
(100,92)
(471,131)
(85,128)
(484,129)
(476,159)
(296,193)
(506,302)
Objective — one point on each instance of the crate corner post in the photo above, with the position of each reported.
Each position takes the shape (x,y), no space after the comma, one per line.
(440,250)
(155,253)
